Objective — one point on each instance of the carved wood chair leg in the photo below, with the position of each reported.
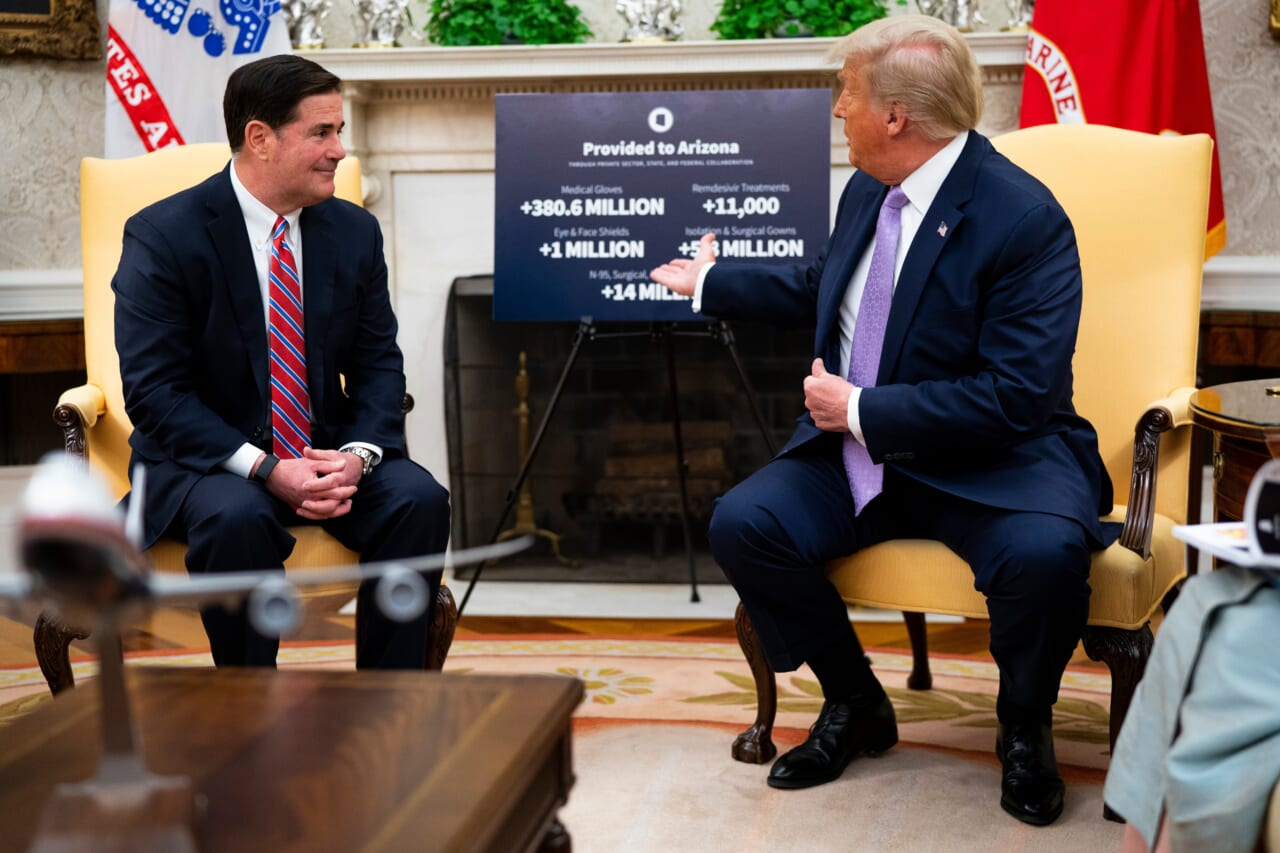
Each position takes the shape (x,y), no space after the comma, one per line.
(444,622)
(1125,653)
(920,678)
(53,651)
(755,745)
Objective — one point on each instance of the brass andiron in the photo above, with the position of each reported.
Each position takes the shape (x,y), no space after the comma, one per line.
(524,506)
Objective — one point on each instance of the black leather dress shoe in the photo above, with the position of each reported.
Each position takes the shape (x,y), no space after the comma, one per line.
(844,730)
(1031,788)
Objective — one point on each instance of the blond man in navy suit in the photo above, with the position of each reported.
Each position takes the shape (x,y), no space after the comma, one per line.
(968,416)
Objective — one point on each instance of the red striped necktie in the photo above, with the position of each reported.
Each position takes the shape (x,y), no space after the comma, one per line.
(290,404)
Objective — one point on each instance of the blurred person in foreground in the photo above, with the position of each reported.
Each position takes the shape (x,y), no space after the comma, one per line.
(1198,757)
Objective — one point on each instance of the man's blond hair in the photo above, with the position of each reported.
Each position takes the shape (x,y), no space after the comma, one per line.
(922,63)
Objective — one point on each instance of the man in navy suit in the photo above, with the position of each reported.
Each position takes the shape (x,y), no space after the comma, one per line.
(963,421)
(195,307)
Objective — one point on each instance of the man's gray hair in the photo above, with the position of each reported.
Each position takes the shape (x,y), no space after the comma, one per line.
(922,63)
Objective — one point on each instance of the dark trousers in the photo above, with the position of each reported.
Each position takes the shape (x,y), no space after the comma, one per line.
(773,533)
(233,524)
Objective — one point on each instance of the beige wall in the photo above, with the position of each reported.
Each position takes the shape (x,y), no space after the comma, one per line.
(54,112)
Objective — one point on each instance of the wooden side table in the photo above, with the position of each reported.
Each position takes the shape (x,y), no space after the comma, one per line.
(1244,419)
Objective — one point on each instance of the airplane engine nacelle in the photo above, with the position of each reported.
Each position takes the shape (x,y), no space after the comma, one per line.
(401,595)
(274,609)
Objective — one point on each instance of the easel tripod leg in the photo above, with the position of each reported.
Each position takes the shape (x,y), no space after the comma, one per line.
(682,465)
(585,330)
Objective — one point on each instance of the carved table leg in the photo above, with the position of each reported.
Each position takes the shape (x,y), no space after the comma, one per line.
(755,746)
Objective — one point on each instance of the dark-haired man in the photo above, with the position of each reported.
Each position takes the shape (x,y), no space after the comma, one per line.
(939,407)
(260,367)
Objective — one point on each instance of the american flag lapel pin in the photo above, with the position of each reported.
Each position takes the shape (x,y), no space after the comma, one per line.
(942,230)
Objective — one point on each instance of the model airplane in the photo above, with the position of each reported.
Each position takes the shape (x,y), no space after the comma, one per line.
(81,559)
(1254,542)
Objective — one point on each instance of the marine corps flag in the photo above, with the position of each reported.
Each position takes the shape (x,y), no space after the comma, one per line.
(1138,65)
(168,63)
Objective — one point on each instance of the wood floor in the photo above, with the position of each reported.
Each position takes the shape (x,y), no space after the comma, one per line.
(172,629)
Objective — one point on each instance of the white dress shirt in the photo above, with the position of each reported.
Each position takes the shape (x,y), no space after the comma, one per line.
(259,222)
(920,188)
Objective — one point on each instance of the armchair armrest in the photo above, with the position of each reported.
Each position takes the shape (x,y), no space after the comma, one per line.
(78,409)
(1161,416)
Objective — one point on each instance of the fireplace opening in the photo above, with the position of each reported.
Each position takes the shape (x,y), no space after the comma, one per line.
(605,479)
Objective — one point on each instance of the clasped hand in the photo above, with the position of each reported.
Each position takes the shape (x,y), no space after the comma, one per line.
(319,485)
(826,396)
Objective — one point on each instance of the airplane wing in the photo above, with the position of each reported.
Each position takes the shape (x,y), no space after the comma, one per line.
(184,589)
(272,598)
(14,586)
(173,588)
(15,594)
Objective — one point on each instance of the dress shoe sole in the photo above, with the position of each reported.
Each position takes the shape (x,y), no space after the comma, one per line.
(873,751)
(1033,819)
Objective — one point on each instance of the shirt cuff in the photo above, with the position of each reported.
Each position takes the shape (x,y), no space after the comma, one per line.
(855,423)
(372,448)
(241,462)
(697,288)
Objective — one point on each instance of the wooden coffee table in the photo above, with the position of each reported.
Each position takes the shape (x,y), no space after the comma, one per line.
(319,761)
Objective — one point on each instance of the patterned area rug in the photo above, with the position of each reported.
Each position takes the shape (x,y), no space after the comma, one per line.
(652,741)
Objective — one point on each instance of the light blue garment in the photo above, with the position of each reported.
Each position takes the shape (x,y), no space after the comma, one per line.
(1202,737)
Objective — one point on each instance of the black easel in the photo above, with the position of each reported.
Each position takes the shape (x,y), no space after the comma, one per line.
(718,331)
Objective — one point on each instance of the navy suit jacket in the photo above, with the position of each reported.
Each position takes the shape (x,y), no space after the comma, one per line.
(973,394)
(192,339)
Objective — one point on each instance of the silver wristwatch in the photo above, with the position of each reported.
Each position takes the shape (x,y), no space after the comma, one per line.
(366,455)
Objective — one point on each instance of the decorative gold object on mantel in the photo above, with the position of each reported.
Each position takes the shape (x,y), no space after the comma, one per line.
(1275,19)
(651,20)
(525,523)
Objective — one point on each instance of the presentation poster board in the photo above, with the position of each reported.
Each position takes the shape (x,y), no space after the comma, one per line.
(595,190)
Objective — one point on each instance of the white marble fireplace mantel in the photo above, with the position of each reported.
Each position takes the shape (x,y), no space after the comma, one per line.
(564,61)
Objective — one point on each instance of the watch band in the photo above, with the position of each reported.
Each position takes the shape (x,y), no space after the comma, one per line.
(366,457)
(265,468)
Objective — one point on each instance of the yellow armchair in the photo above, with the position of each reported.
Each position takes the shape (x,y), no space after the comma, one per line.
(1138,203)
(92,416)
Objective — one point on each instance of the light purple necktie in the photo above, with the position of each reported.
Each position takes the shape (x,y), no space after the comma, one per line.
(866,479)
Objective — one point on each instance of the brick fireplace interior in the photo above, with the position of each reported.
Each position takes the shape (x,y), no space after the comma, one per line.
(605,477)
